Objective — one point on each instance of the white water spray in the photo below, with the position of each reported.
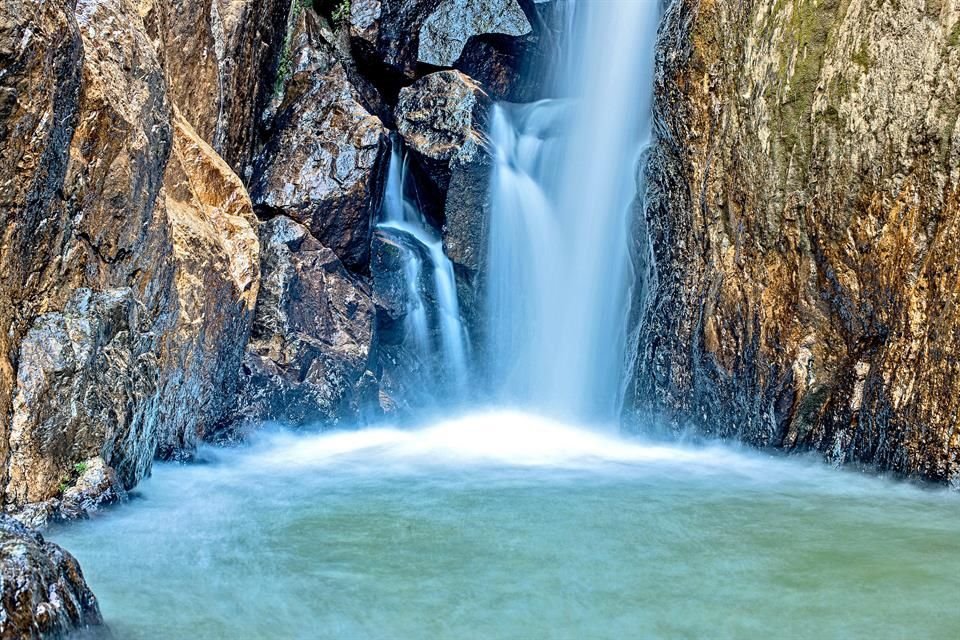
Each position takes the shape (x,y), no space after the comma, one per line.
(560,274)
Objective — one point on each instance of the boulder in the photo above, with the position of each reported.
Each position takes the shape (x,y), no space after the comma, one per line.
(441,117)
(322,163)
(312,341)
(44,594)
(394,38)
(445,32)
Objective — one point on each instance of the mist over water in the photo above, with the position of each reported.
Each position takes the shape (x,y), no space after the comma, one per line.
(560,279)
(503,525)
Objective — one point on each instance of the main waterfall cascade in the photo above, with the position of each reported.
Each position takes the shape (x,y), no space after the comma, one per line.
(433,324)
(560,275)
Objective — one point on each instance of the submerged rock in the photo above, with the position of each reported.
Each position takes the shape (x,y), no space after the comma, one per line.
(309,354)
(802,214)
(44,595)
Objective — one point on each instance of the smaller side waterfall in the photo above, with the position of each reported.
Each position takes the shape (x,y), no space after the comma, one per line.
(433,326)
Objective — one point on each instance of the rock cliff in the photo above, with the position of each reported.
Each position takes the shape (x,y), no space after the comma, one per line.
(802,221)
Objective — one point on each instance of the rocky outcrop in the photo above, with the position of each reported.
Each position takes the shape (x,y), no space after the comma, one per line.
(803,214)
(323,162)
(85,387)
(130,266)
(309,355)
(43,594)
(216,278)
(219,63)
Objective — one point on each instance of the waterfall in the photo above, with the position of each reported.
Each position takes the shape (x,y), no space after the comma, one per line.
(560,278)
(433,326)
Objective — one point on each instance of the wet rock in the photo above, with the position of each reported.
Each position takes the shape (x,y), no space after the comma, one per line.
(312,340)
(402,366)
(802,214)
(321,165)
(467,211)
(384,35)
(442,116)
(44,594)
(85,387)
(95,486)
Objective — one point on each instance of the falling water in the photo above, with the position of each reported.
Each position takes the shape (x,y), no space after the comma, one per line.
(438,338)
(560,276)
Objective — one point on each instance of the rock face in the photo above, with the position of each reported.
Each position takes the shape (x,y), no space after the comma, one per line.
(218,60)
(312,341)
(804,219)
(216,278)
(129,257)
(43,594)
(323,162)
(63,412)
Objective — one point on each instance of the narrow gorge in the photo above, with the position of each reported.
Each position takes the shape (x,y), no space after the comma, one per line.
(479,318)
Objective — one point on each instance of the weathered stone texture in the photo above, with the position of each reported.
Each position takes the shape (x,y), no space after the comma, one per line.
(130,266)
(219,59)
(322,164)
(42,593)
(803,213)
(308,356)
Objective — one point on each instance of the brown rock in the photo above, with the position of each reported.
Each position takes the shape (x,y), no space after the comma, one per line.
(803,215)
(126,271)
(40,53)
(219,63)
(216,258)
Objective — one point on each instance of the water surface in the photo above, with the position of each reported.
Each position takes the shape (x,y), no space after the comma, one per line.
(510,526)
